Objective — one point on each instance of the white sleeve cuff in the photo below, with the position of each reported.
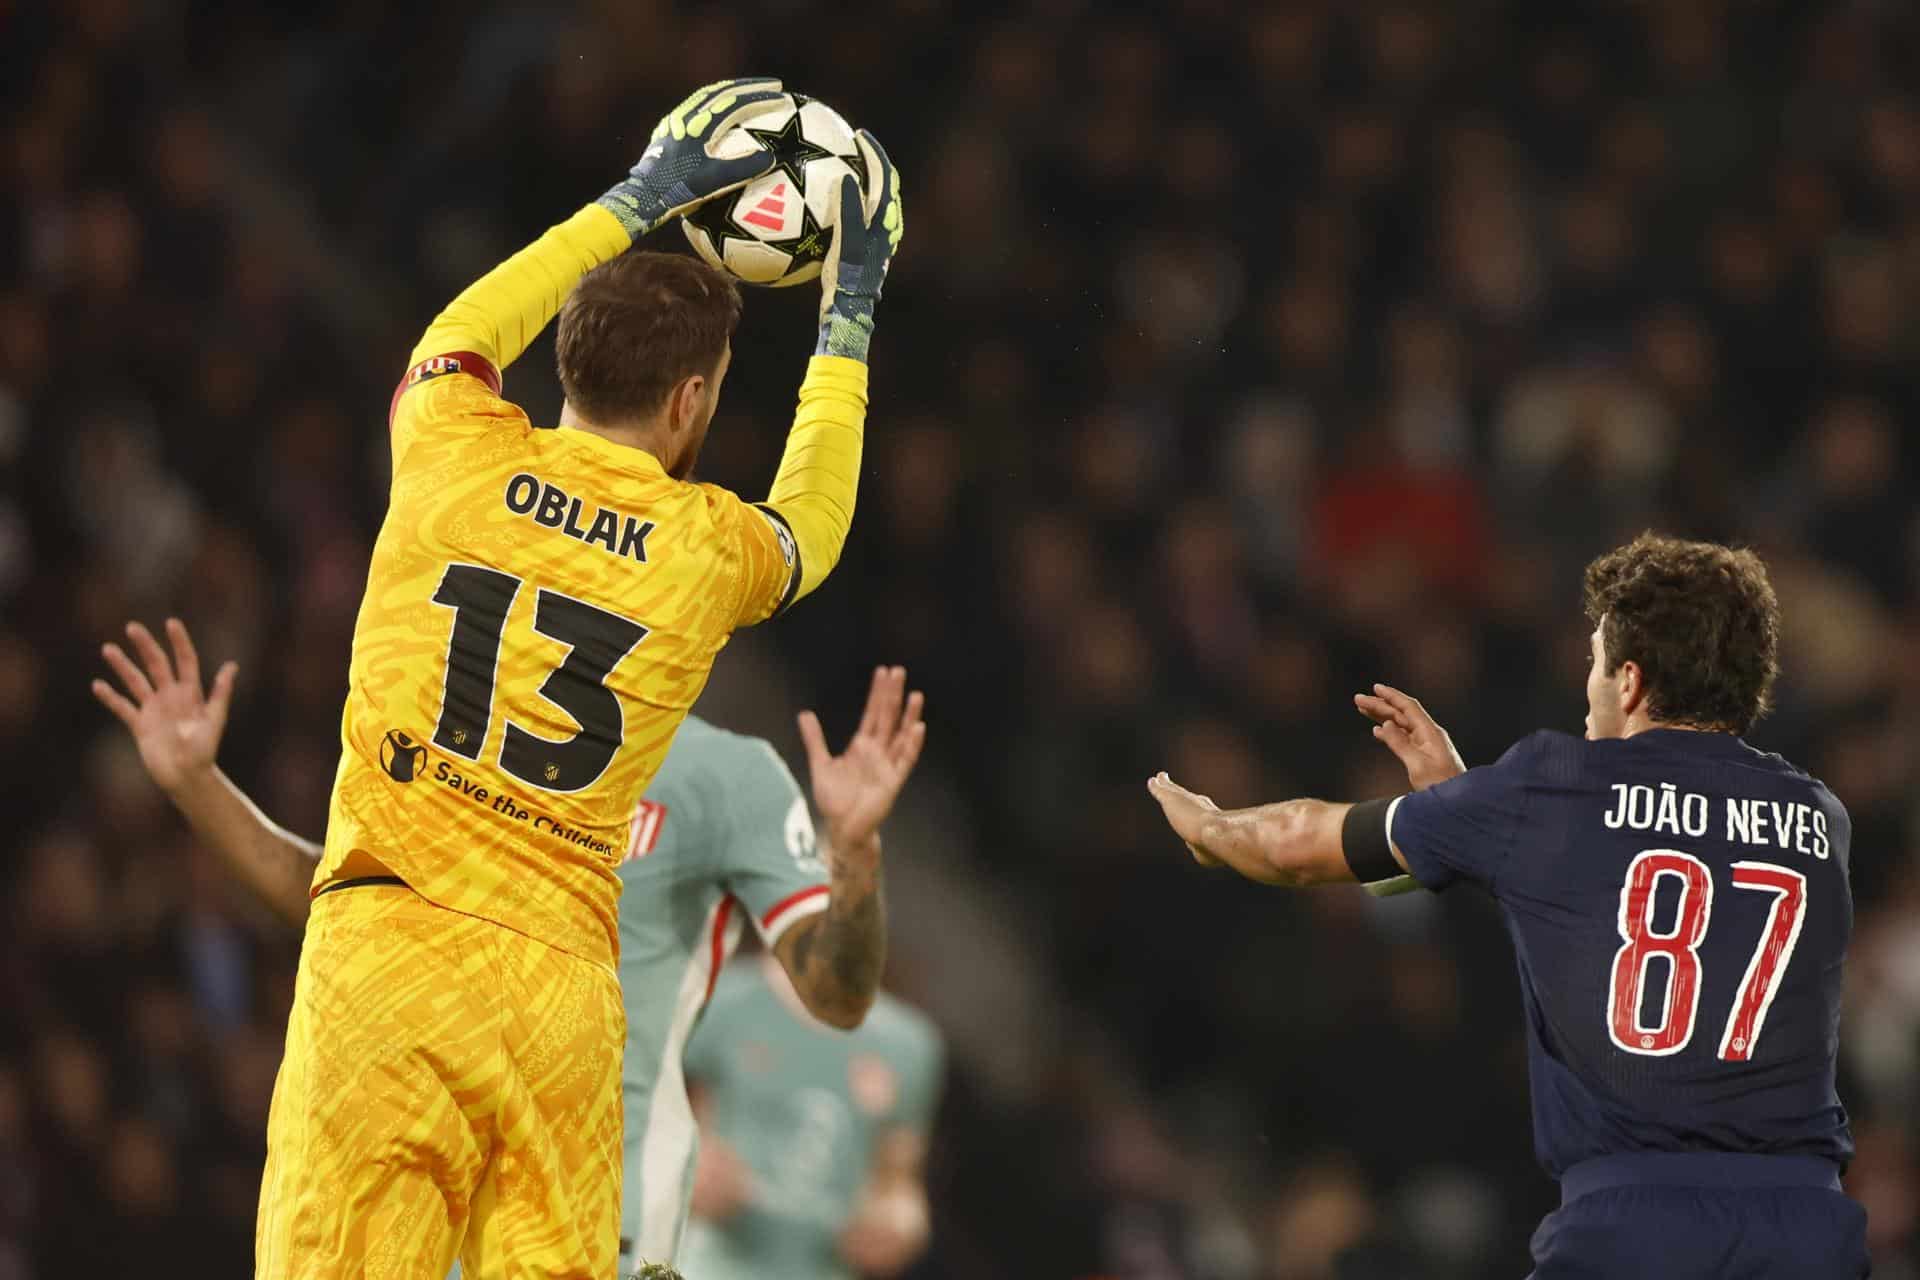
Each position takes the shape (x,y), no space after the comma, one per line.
(1395,884)
(783,915)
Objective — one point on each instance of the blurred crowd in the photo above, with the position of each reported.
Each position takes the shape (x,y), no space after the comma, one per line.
(1239,355)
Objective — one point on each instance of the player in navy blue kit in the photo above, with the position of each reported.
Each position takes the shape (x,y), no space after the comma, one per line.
(1679,908)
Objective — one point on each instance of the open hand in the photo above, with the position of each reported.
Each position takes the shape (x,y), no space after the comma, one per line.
(175,724)
(1410,733)
(855,790)
(1187,813)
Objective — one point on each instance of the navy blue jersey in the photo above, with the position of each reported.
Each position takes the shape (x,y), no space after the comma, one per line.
(1680,911)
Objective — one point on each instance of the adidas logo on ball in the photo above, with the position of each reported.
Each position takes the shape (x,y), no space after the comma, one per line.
(771,212)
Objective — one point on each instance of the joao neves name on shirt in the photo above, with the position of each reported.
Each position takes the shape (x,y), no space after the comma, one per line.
(1768,824)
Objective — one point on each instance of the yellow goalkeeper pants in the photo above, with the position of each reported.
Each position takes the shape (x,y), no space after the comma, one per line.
(450,1087)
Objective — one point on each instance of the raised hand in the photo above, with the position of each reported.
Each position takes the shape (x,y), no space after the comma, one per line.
(865,236)
(1410,733)
(836,957)
(855,790)
(678,170)
(176,724)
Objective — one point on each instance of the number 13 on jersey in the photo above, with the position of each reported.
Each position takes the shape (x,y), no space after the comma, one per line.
(597,642)
(1680,946)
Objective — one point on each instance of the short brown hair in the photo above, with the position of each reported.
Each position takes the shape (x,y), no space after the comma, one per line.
(635,326)
(1700,619)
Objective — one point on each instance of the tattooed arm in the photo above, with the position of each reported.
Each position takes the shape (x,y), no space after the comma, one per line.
(836,958)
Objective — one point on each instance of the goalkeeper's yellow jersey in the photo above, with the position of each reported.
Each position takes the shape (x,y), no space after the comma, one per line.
(542,609)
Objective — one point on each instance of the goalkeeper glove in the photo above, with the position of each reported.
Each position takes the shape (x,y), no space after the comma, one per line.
(678,171)
(864,239)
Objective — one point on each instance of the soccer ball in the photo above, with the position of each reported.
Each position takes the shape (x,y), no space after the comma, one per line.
(776,229)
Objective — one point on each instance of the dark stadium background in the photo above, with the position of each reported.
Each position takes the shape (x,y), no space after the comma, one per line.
(1238,356)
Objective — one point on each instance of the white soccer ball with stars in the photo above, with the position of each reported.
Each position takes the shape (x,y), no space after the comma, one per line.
(776,229)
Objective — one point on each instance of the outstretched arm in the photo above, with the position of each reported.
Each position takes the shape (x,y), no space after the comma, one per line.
(1307,842)
(177,728)
(1294,843)
(835,958)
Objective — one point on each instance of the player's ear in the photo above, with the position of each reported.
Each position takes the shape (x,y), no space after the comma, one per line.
(683,403)
(1632,685)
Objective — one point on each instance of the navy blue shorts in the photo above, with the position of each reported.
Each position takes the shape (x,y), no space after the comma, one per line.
(1702,1216)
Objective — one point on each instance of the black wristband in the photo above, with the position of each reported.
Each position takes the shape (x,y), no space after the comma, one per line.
(1363,838)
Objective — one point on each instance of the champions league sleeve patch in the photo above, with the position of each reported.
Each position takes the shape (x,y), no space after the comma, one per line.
(789,551)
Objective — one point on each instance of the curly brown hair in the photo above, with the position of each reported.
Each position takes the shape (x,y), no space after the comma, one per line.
(1699,619)
(638,324)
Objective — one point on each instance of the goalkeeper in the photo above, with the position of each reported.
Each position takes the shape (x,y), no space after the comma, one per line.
(541,611)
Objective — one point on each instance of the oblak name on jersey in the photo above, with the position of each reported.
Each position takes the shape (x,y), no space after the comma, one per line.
(1766,824)
(551,507)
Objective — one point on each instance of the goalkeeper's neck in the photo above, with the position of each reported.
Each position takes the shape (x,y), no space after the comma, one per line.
(647,435)
(674,439)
